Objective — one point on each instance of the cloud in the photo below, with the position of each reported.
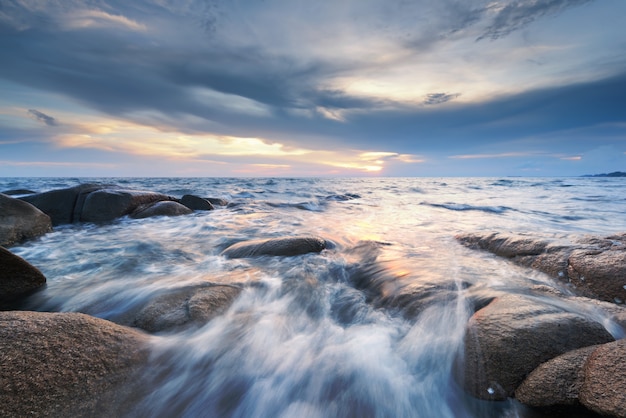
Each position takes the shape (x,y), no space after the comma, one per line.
(94,18)
(42,117)
(439,98)
(318,76)
(63,164)
(507,17)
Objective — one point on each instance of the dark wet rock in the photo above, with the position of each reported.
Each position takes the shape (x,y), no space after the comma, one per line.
(513,335)
(604,386)
(594,266)
(66,364)
(18,278)
(290,246)
(188,306)
(161,208)
(63,206)
(216,201)
(196,203)
(556,382)
(15,192)
(108,204)
(20,220)
(92,202)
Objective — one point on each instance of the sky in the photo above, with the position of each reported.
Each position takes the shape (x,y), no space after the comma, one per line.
(295,88)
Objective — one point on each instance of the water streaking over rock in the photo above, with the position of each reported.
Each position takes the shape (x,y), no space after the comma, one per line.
(334,297)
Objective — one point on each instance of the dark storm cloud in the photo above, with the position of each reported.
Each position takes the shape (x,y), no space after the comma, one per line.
(42,117)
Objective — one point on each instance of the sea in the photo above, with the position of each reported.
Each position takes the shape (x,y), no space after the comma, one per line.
(303,340)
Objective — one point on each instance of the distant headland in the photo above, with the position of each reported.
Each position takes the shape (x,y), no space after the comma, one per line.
(613,174)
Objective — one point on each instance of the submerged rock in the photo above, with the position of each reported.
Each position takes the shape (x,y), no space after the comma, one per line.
(66,364)
(18,278)
(161,208)
(595,267)
(604,386)
(513,335)
(216,201)
(194,305)
(20,220)
(196,203)
(290,246)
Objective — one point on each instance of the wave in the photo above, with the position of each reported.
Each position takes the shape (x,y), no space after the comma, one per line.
(464,207)
(309,206)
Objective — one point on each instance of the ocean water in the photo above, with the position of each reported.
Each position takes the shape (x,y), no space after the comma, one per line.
(305,340)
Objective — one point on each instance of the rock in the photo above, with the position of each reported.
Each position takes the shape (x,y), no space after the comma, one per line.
(63,206)
(513,335)
(17,279)
(20,220)
(389,285)
(194,305)
(196,203)
(290,246)
(508,246)
(595,266)
(108,204)
(161,208)
(604,386)
(217,201)
(92,202)
(17,192)
(599,274)
(556,382)
(66,364)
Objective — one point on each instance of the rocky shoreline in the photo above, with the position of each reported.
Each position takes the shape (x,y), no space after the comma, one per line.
(520,346)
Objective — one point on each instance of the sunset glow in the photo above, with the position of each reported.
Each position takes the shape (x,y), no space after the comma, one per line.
(385,88)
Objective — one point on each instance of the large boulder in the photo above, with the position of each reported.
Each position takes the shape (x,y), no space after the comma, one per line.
(63,206)
(196,203)
(594,266)
(556,382)
(601,273)
(20,220)
(604,386)
(161,208)
(108,204)
(92,202)
(18,278)
(513,335)
(67,364)
(290,246)
(194,305)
